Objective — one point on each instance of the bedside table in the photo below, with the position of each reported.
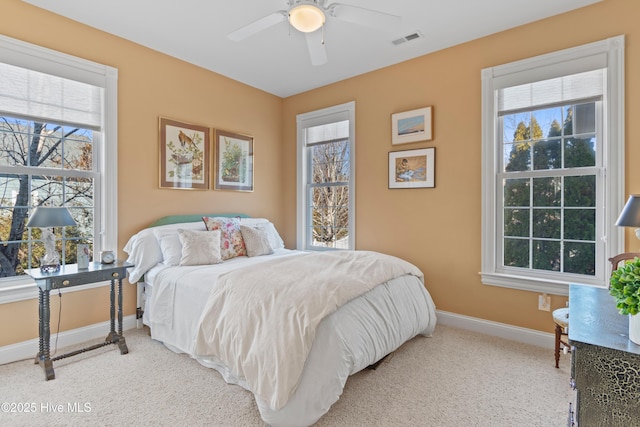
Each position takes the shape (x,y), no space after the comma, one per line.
(68,276)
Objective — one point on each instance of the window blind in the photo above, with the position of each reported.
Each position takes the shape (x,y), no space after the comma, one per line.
(327,132)
(556,91)
(41,96)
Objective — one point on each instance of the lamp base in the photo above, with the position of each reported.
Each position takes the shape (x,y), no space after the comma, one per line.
(50,262)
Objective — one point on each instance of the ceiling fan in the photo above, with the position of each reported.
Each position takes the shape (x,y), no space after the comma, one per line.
(308,16)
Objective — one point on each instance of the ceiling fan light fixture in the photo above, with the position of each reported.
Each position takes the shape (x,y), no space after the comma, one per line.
(306,17)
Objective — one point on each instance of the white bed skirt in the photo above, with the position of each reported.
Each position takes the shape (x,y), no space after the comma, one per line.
(355,336)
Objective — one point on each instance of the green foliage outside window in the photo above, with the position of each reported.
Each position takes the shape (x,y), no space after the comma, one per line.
(549,221)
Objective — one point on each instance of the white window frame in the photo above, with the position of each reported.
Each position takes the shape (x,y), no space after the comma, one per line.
(346,111)
(556,64)
(30,56)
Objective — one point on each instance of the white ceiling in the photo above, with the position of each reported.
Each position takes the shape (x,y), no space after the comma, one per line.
(276,60)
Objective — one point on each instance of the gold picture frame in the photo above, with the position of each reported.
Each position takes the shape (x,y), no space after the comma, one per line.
(185,155)
(233,161)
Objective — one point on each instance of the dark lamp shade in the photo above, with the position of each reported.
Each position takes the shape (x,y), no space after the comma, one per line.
(51,217)
(630,215)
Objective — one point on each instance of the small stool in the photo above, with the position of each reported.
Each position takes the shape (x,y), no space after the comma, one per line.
(561,319)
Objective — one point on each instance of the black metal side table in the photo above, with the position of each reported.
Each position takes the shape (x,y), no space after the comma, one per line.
(68,276)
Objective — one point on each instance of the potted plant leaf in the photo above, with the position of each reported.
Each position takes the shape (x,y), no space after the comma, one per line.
(625,288)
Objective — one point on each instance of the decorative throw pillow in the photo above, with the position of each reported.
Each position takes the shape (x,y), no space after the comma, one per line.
(256,240)
(231,242)
(275,240)
(200,247)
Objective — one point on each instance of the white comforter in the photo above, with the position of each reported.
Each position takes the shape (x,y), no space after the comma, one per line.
(261,320)
(354,336)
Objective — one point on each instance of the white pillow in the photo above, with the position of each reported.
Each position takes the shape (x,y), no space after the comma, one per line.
(169,241)
(144,253)
(200,247)
(144,248)
(170,246)
(256,241)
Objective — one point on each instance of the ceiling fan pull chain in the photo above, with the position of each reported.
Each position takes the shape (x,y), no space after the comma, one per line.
(322,40)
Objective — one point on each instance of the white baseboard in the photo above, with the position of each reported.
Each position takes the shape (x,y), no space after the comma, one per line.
(502,330)
(29,349)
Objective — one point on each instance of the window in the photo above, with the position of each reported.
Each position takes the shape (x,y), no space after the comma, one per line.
(57,148)
(45,164)
(553,168)
(326,178)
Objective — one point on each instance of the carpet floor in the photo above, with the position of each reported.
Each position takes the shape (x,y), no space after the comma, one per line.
(454,378)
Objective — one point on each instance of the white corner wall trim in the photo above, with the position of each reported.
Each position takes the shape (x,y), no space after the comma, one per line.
(29,349)
(502,330)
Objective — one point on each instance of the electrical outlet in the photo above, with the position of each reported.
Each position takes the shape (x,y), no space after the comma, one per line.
(544,302)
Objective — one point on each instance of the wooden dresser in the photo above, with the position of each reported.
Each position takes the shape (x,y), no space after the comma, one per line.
(605,365)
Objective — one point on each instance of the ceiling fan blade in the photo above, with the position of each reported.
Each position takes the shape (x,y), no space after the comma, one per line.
(315,43)
(365,17)
(257,26)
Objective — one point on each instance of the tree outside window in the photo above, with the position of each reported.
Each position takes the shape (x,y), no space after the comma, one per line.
(326,172)
(550,217)
(330,194)
(43,164)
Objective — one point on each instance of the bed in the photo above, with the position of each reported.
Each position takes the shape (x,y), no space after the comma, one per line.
(287,325)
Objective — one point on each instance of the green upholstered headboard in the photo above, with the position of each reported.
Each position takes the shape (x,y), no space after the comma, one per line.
(175,219)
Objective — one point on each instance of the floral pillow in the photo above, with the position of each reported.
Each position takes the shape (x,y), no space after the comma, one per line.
(231,242)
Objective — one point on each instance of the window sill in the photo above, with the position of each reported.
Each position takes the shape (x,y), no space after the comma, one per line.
(527,283)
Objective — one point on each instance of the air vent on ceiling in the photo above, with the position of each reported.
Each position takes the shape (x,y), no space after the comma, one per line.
(407,38)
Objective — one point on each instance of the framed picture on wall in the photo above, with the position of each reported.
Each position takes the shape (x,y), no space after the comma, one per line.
(234,161)
(412,168)
(412,126)
(185,157)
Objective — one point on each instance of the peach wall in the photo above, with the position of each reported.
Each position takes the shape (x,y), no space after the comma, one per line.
(439,229)
(150,85)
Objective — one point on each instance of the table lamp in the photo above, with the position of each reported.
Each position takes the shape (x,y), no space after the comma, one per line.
(45,218)
(630,215)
